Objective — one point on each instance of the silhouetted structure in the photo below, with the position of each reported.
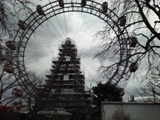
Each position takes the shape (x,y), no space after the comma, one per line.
(65,86)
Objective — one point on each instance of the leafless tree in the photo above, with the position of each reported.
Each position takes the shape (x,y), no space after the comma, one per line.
(10,12)
(11,92)
(7,81)
(150,91)
(29,98)
(142,22)
(6,85)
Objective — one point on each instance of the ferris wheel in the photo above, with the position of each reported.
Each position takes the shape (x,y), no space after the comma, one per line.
(115,73)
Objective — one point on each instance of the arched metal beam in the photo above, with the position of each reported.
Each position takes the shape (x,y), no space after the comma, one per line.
(53,9)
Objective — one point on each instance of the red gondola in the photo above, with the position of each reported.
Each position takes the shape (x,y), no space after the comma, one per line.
(61,3)
(8,69)
(17,92)
(17,106)
(133,41)
(122,20)
(83,3)
(15,103)
(11,45)
(22,25)
(122,92)
(40,10)
(6,108)
(133,67)
(104,7)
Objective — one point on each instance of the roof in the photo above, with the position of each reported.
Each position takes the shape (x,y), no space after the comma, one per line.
(128,103)
(54,112)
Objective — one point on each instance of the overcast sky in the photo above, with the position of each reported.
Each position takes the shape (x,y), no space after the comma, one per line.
(43,46)
(81,28)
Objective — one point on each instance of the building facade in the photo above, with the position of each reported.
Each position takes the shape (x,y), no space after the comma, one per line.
(130,111)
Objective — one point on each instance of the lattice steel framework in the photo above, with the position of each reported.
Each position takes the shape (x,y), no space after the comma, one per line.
(53,9)
(64,87)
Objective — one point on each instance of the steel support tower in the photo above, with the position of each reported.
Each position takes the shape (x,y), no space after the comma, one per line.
(65,86)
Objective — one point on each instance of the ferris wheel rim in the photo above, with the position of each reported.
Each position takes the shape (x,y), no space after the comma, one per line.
(20,65)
